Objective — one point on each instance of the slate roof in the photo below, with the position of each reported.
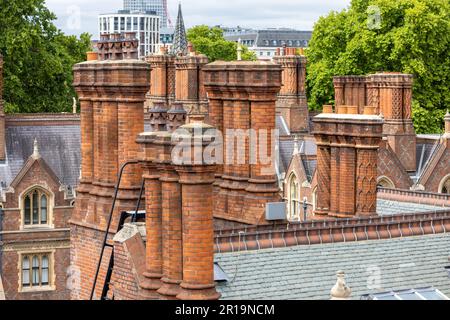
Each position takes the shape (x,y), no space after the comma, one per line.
(265,38)
(309,272)
(388,207)
(59,146)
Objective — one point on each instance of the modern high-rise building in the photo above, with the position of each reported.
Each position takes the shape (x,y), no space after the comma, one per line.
(146,25)
(159,6)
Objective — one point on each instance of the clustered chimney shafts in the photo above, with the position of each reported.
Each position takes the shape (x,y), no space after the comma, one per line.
(189,87)
(180,232)
(347,158)
(292,103)
(2,116)
(242,98)
(111,95)
(390,94)
(117,46)
(177,85)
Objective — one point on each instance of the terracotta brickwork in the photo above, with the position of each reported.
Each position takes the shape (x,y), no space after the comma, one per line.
(347,164)
(2,114)
(189,84)
(179,220)
(112,95)
(350,91)
(292,103)
(129,262)
(391,96)
(245,101)
(162,88)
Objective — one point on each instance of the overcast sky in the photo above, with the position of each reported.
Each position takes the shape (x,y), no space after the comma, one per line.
(77,16)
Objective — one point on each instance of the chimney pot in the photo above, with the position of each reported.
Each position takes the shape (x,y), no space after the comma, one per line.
(91,56)
(341,110)
(327,109)
(370,110)
(352,109)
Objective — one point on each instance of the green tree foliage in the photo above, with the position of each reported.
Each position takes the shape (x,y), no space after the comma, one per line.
(38,58)
(412,36)
(210,42)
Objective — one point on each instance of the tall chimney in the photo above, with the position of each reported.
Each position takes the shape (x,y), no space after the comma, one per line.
(292,103)
(350,91)
(162,89)
(242,99)
(391,95)
(189,88)
(347,164)
(180,232)
(196,180)
(111,95)
(2,116)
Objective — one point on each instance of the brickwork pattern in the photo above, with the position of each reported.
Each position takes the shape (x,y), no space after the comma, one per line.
(246,100)
(115,92)
(348,146)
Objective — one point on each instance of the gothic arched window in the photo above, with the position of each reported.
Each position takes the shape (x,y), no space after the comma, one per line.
(384,182)
(36,207)
(445,185)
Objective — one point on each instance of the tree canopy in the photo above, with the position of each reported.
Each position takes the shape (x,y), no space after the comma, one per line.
(409,36)
(210,42)
(38,58)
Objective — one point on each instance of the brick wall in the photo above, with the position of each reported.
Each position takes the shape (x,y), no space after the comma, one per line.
(242,96)
(391,96)
(292,103)
(179,219)
(112,96)
(347,164)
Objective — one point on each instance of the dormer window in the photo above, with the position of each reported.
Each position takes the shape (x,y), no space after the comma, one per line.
(36,208)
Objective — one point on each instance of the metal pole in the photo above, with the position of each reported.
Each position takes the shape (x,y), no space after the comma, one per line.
(305,209)
(116,192)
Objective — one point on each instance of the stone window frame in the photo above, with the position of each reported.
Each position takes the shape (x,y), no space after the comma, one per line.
(50,207)
(445,181)
(292,200)
(387,181)
(51,270)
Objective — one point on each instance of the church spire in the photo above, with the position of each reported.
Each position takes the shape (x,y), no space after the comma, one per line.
(180,41)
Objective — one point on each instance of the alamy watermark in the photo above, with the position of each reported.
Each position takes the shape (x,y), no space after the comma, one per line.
(232,147)
(374,18)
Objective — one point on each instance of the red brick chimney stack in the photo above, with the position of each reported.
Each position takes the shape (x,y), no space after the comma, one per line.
(116,46)
(196,180)
(347,163)
(242,96)
(189,88)
(350,91)
(180,233)
(111,95)
(2,116)
(391,95)
(292,103)
(162,89)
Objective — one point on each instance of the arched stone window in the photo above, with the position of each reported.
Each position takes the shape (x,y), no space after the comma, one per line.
(36,208)
(385,182)
(294,198)
(444,186)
